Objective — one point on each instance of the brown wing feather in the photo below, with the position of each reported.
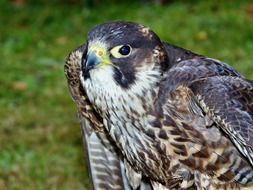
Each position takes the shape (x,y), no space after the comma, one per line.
(196,113)
(72,69)
(229,102)
(223,92)
(106,169)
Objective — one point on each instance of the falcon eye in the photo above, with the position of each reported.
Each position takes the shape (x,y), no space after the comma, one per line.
(125,50)
(121,51)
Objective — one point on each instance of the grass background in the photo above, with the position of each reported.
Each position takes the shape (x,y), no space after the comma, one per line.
(40,142)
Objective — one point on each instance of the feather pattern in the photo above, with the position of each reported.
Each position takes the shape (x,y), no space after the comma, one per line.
(185,121)
(106,166)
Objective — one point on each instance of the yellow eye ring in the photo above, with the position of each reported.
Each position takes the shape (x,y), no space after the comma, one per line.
(121,51)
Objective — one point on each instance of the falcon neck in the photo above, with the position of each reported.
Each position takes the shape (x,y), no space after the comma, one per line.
(124,110)
(107,96)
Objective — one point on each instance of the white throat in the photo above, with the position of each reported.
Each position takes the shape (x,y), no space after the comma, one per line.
(103,91)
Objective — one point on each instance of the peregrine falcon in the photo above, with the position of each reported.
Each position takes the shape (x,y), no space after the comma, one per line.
(169,118)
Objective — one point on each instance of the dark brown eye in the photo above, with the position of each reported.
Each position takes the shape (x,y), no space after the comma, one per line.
(121,51)
(125,50)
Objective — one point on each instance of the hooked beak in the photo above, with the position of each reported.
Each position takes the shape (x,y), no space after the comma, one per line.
(90,62)
(95,56)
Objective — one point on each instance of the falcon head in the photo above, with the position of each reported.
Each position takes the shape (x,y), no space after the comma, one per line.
(122,53)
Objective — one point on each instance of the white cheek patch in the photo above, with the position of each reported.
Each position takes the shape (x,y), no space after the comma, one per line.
(100,87)
(104,76)
(103,91)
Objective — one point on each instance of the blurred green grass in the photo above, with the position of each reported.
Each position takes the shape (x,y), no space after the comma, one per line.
(40,141)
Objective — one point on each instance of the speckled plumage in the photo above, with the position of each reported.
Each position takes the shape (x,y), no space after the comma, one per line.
(176,119)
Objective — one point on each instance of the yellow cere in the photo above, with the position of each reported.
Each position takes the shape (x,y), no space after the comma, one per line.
(100,54)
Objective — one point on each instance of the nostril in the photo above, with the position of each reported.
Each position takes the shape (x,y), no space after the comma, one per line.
(100,53)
